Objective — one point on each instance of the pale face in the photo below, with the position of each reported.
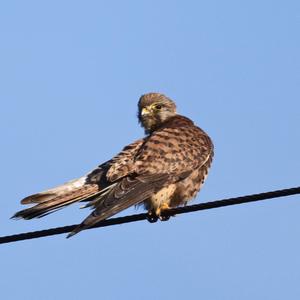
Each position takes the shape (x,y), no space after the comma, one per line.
(152,115)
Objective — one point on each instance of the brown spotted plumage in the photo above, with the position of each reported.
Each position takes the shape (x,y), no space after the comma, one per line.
(165,169)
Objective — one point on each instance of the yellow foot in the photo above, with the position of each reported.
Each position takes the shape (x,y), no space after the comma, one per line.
(159,212)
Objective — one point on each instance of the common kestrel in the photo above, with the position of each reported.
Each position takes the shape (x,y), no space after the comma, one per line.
(164,169)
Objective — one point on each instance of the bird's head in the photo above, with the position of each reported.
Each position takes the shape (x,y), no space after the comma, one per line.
(154,109)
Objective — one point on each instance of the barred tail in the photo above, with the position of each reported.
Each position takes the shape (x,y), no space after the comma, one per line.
(51,200)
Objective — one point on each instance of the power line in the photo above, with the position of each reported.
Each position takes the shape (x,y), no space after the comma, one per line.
(167,213)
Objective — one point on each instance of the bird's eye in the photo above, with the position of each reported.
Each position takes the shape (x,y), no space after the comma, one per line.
(158,106)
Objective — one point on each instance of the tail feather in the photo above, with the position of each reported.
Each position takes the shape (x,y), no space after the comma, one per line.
(57,198)
(57,191)
(38,198)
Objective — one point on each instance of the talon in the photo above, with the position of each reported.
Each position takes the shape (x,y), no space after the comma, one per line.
(164,218)
(160,212)
(152,217)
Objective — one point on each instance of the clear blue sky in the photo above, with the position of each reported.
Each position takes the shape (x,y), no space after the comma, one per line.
(71,73)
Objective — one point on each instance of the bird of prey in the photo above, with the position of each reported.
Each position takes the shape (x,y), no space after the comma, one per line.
(165,169)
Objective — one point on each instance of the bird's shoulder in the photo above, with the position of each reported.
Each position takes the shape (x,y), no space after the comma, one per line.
(177,146)
(177,133)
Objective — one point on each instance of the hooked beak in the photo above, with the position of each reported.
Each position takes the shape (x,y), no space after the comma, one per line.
(145,111)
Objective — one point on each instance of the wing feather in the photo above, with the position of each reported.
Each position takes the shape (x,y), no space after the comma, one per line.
(128,192)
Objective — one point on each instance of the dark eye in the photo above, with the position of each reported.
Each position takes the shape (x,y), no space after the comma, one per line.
(158,106)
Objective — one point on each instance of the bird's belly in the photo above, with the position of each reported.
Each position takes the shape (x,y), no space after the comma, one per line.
(164,196)
(188,188)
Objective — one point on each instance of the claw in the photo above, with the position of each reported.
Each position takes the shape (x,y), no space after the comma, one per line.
(152,217)
(160,212)
(164,218)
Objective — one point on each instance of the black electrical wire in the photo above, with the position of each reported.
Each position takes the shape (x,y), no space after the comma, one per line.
(145,216)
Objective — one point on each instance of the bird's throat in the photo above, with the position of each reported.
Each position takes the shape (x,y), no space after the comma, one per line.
(154,122)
